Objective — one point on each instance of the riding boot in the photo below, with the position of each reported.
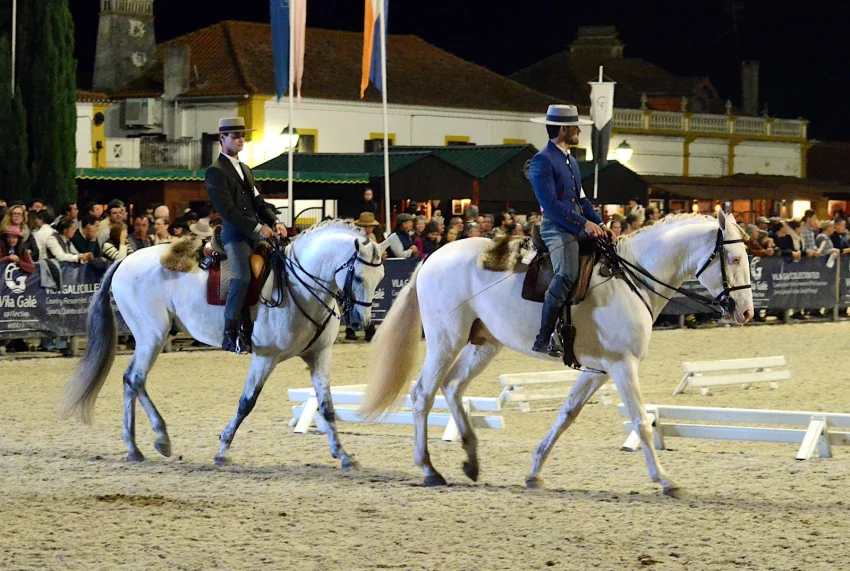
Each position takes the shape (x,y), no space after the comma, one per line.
(246,331)
(350,335)
(231,328)
(370,332)
(551,312)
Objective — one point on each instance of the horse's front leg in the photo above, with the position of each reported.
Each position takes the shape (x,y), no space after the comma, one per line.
(261,367)
(625,375)
(319,363)
(587,384)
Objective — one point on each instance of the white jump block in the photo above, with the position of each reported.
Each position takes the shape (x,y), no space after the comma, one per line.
(817,430)
(746,372)
(347,399)
(525,388)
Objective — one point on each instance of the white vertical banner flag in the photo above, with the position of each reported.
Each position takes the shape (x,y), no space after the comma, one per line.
(601,112)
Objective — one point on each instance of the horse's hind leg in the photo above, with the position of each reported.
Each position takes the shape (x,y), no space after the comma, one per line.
(134,387)
(472,360)
(440,355)
(625,375)
(319,363)
(261,367)
(587,384)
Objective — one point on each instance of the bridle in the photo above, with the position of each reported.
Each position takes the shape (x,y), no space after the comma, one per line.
(723,304)
(724,299)
(286,265)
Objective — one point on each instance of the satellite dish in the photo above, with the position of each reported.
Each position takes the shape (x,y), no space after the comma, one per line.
(98,119)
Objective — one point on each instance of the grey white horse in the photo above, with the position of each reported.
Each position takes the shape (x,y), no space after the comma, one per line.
(332,271)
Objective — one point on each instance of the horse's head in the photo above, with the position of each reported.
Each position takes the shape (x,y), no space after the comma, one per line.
(357,278)
(726,272)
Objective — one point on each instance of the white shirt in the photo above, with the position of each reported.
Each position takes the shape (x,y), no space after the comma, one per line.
(41,235)
(57,252)
(235,161)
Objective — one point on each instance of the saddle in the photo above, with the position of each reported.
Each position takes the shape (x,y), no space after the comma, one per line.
(539,274)
(220,274)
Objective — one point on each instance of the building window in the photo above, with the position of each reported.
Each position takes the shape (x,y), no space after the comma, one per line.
(514,142)
(457,140)
(375,142)
(308,141)
(579,153)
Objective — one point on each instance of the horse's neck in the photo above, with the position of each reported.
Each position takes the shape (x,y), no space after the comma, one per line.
(671,254)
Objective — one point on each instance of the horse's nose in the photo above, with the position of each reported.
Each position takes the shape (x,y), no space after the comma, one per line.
(748,314)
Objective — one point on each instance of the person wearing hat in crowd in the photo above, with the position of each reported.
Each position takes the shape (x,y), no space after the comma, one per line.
(13,250)
(763,223)
(201,229)
(428,242)
(246,219)
(567,214)
(401,244)
(368,223)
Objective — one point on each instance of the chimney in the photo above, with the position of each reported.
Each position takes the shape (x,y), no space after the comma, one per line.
(750,87)
(175,72)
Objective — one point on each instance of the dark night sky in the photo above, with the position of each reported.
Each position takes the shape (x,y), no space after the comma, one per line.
(803,52)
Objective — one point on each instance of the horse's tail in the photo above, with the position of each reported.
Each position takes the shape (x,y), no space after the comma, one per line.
(84,385)
(393,352)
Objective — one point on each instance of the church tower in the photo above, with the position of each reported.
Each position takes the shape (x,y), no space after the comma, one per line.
(125,43)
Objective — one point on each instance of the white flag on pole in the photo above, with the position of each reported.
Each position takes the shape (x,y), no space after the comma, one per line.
(601,112)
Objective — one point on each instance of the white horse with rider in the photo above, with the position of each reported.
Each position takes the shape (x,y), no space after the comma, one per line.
(469,314)
(327,274)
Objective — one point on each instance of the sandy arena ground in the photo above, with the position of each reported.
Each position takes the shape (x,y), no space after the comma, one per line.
(69,500)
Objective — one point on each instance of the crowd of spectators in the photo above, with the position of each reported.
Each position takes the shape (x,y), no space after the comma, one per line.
(92,233)
(97,234)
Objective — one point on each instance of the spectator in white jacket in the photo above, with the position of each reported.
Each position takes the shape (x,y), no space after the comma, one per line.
(60,247)
(41,231)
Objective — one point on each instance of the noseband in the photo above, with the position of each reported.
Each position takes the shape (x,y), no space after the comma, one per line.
(724,298)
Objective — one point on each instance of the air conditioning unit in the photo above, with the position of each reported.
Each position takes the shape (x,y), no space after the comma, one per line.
(142,112)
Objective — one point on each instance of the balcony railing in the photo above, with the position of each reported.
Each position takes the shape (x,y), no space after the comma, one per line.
(184,154)
(142,7)
(705,123)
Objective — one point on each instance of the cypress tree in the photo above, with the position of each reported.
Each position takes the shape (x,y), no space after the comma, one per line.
(14,166)
(48,89)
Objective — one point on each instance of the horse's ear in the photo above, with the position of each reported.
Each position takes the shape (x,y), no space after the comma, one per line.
(726,221)
(384,245)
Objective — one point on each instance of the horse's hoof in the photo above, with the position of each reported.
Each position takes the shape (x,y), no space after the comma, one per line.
(350,464)
(135,457)
(163,447)
(535,483)
(471,471)
(674,492)
(435,480)
(223,461)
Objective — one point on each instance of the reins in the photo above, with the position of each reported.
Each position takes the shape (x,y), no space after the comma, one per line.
(345,300)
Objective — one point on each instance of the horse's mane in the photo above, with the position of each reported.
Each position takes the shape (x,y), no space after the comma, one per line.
(331,225)
(676,217)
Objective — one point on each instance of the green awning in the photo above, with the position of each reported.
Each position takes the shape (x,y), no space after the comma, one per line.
(479,161)
(370,163)
(198,175)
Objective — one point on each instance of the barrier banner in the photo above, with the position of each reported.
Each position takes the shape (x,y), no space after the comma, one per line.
(778,283)
(397,272)
(29,310)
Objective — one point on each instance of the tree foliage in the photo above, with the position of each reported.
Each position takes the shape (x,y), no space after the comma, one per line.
(14,168)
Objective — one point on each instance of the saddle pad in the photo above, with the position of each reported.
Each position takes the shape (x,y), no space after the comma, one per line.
(539,276)
(220,276)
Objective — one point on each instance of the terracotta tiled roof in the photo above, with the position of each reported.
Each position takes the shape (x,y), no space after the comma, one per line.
(91,97)
(565,76)
(235,58)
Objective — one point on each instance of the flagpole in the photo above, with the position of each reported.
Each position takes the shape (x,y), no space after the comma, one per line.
(387,208)
(14,40)
(596,159)
(290,219)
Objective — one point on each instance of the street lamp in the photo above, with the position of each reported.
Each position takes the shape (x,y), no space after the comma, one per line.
(289,137)
(624,152)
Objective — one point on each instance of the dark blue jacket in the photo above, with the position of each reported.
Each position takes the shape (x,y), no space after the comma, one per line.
(556,181)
